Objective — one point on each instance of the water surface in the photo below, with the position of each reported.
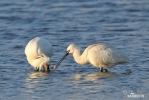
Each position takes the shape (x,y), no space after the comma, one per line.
(120,23)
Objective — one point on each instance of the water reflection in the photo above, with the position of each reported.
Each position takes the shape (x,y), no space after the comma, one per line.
(37,74)
(95,76)
(35,77)
(36,81)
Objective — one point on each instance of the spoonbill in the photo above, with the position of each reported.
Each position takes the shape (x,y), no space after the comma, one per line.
(38,52)
(99,55)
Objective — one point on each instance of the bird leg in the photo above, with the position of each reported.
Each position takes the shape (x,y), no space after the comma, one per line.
(37,69)
(103,69)
(106,70)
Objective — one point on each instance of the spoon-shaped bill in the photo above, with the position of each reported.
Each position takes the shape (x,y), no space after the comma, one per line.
(55,67)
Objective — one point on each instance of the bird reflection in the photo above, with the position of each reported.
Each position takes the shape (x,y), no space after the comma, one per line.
(36,76)
(95,76)
(33,79)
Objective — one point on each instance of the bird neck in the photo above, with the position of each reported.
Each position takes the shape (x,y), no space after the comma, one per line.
(80,56)
(40,61)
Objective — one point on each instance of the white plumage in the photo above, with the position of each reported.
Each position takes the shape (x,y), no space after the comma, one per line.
(38,52)
(99,55)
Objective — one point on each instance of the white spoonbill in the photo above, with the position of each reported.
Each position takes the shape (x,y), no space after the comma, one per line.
(38,52)
(99,55)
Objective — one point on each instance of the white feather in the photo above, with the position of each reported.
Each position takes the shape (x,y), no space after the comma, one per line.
(99,55)
(38,52)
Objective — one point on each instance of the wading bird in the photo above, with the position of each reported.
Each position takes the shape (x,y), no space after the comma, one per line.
(38,52)
(99,55)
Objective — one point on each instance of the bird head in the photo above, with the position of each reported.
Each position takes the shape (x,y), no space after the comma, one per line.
(46,66)
(70,50)
(72,47)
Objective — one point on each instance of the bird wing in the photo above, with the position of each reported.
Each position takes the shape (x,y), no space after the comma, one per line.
(44,47)
(86,53)
(106,55)
(37,47)
(30,49)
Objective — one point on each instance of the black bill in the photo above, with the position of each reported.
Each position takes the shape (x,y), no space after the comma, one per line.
(55,67)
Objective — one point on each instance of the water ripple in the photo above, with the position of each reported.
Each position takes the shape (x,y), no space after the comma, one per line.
(123,24)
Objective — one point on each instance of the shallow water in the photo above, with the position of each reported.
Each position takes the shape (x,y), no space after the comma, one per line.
(120,23)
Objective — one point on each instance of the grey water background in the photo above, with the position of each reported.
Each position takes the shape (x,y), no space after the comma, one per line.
(120,23)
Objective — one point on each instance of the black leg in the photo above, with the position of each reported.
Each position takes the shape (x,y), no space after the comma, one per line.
(106,70)
(37,69)
(101,69)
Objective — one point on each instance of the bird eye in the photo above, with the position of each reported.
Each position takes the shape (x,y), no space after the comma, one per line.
(68,51)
